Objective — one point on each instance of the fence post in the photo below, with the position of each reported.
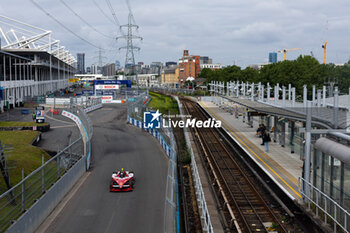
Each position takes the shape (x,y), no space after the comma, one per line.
(345,221)
(335,218)
(325,208)
(23,192)
(42,174)
(317,204)
(58,167)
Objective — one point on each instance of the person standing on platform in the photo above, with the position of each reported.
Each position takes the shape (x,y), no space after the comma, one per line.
(266,139)
(259,132)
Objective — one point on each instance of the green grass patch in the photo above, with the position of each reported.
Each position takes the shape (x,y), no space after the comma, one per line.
(165,104)
(20,124)
(29,158)
(22,156)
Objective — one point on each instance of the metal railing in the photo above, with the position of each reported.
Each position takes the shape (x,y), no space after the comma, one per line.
(138,106)
(325,207)
(173,90)
(83,101)
(202,204)
(170,208)
(15,201)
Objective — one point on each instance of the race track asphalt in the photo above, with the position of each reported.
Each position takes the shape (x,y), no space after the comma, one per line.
(93,209)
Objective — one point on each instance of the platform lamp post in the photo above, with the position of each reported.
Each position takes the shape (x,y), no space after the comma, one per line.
(305,96)
(336,108)
(228,87)
(283,96)
(314,95)
(349,101)
(213,88)
(289,92)
(277,93)
(324,96)
(243,89)
(293,97)
(307,148)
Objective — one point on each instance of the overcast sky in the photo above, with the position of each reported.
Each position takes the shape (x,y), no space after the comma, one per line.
(229,31)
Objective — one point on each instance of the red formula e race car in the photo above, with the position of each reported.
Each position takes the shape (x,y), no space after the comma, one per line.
(122,181)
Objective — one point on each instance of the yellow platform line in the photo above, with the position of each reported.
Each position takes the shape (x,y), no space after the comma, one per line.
(234,134)
(264,155)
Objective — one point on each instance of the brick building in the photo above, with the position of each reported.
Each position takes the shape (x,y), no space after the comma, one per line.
(189,66)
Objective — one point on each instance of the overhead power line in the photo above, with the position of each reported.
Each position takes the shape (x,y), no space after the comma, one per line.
(87,23)
(129,7)
(114,15)
(132,15)
(102,11)
(62,25)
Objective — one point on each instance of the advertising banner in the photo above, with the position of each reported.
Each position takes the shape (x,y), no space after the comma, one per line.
(104,87)
(107,99)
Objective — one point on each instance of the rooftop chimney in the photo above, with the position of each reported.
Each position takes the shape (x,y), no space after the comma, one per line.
(185,53)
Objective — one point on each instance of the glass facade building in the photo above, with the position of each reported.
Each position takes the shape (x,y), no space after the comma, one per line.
(272,57)
(81,63)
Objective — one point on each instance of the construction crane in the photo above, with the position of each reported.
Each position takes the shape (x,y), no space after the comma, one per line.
(286,50)
(324,46)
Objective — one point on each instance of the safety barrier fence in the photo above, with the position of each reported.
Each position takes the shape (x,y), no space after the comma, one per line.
(83,101)
(202,204)
(78,113)
(17,204)
(327,209)
(92,108)
(17,200)
(163,141)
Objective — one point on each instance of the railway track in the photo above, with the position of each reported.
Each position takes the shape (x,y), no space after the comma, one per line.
(245,208)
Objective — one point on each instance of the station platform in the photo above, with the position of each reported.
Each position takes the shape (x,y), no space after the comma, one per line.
(283,167)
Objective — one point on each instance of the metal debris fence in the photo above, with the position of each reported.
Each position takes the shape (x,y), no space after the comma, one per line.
(18,199)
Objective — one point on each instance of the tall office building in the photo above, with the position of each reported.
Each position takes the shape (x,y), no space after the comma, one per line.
(81,63)
(205,60)
(117,64)
(108,70)
(94,69)
(273,57)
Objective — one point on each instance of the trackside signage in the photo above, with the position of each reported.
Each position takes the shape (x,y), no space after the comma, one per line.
(154,120)
(104,87)
(107,99)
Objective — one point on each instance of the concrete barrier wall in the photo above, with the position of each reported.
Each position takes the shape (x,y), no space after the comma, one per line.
(38,212)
